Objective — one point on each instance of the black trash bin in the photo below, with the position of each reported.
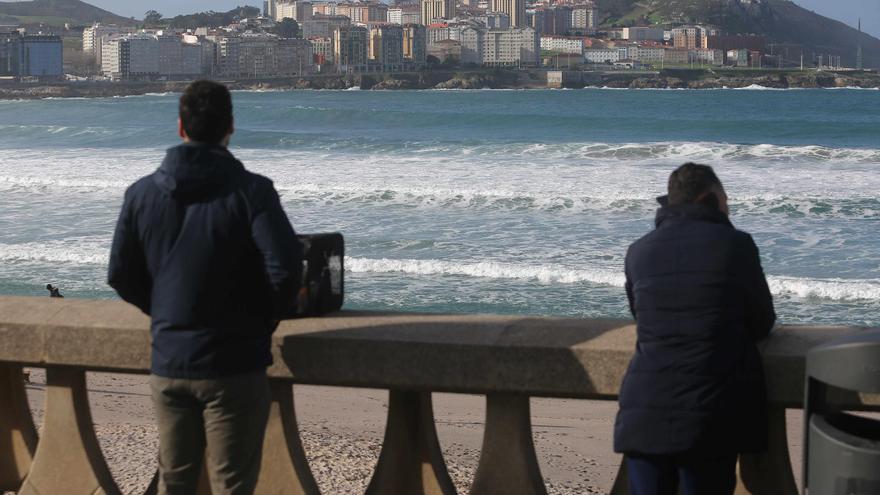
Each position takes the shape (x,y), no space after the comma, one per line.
(842,450)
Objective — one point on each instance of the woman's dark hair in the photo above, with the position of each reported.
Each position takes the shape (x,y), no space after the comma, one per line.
(689,181)
(206,112)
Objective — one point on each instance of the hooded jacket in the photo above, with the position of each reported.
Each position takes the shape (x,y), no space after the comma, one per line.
(205,249)
(695,384)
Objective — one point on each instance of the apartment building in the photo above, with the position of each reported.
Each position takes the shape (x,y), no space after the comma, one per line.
(294,57)
(415,45)
(515,9)
(385,50)
(297,10)
(323,26)
(408,14)
(437,9)
(350,48)
(584,18)
(563,44)
(322,50)
(511,47)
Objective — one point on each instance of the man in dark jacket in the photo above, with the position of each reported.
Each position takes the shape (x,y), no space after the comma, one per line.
(204,247)
(693,396)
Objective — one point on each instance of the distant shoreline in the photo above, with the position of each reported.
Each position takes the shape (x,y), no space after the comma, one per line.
(478,79)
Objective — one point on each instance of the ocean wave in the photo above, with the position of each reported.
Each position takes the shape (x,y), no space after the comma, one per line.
(854,88)
(801,288)
(92,251)
(633,202)
(758,87)
(751,87)
(42,183)
(317,146)
(74,251)
(834,289)
(849,205)
(515,271)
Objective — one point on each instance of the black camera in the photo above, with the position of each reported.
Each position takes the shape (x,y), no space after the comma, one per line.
(323,278)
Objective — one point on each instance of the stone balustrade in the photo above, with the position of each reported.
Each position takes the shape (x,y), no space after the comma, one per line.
(507,359)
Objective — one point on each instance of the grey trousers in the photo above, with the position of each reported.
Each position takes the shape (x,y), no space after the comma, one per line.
(222,421)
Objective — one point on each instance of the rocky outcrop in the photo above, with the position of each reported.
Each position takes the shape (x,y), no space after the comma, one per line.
(472,81)
(392,84)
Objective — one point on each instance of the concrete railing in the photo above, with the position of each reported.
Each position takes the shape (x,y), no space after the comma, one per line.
(508,359)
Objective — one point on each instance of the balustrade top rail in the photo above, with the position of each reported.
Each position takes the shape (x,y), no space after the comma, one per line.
(535,356)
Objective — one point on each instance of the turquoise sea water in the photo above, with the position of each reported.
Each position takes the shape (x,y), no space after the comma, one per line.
(519,202)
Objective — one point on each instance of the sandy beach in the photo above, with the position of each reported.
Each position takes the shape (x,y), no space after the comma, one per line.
(342,432)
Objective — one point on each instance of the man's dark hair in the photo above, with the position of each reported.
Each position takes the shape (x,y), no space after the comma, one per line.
(689,181)
(206,112)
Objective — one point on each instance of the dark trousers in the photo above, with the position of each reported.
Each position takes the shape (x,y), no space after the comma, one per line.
(695,475)
(220,421)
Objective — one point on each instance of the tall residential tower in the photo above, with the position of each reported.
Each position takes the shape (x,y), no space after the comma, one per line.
(516,9)
(437,9)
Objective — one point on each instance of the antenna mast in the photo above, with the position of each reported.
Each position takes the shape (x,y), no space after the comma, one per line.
(859,47)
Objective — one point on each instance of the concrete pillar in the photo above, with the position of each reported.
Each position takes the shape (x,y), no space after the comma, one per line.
(411,462)
(68,458)
(285,468)
(18,437)
(508,463)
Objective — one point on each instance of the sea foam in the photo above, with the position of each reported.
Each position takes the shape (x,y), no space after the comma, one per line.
(95,251)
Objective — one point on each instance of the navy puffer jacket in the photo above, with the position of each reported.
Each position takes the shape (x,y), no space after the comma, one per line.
(701,301)
(204,247)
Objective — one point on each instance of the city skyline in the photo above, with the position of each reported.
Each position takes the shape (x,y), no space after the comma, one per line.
(846,11)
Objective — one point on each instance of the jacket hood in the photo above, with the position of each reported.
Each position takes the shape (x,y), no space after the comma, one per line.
(195,169)
(690,211)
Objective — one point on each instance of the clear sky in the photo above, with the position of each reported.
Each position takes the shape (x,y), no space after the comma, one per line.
(847,11)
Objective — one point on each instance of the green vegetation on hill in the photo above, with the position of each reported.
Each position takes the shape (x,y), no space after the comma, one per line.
(57,13)
(211,18)
(781,21)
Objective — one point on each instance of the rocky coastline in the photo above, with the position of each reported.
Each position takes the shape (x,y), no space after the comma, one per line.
(478,79)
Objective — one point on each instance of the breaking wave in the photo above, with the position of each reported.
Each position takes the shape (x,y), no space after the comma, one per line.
(93,251)
(802,288)
(845,204)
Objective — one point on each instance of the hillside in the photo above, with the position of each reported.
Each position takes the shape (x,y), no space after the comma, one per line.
(210,19)
(57,13)
(781,21)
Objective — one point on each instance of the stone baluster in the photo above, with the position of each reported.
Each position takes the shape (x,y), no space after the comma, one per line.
(68,458)
(411,462)
(508,463)
(18,437)
(285,469)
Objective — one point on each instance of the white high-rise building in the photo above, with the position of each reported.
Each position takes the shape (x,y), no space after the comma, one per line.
(113,61)
(472,39)
(93,39)
(297,10)
(133,56)
(514,46)
(404,15)
(584,18)
(92,36)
